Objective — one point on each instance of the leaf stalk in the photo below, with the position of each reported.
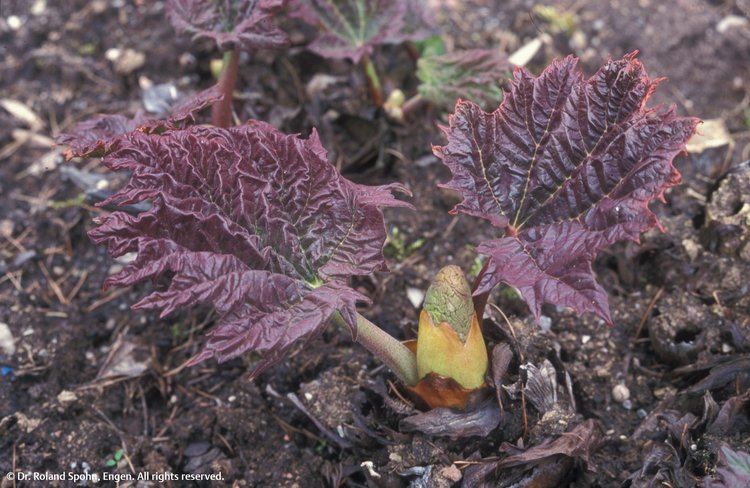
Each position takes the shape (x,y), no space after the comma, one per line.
(387,348)
(221,112)
(373,80)
(412,104)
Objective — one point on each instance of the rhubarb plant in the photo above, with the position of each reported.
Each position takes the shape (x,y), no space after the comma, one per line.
(258,225)
(233,25)
(251,221)
(353,28)
(477,75)
(563,168)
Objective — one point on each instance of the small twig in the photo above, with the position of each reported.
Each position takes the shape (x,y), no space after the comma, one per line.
(176,370)
(167,423)
(107,420)
(511,328)
(105,300)
(397,154)
(15,280)
(396,392)
(465,463)
(78,286)
(144,407)
(226,443)
(16,243)
(524,414)
(53,285)
(449,231)
(287,428)
(127,457)
(647,312)
(342,442)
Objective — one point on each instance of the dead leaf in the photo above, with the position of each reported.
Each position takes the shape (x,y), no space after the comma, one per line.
(711,133)
(23,113)
(122,361)
(453,423)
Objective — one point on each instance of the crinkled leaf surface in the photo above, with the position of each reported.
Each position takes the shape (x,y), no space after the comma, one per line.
(565,166)
(246,23)
(251,221)
(475,74)
(354,27)
(95,137)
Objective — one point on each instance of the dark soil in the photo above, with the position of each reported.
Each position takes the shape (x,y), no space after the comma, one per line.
(89,386)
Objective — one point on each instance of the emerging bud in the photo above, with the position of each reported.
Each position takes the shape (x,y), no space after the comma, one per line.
(393,106)
(449,341)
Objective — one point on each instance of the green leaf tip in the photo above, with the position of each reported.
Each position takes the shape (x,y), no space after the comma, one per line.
(448,299)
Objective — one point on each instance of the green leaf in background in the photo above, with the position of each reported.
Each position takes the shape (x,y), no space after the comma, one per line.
(476,75)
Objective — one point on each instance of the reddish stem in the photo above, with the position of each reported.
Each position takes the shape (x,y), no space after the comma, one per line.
(373,80)
(412,104)
(221,112)
(480,301)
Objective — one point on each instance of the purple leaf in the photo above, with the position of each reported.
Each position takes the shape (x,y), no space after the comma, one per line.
(545,464)
(184,111)
(229,23)
(353,29)
(479,421)
(565,167)
(93,137)
(732,469)
(96,137)
(251,221)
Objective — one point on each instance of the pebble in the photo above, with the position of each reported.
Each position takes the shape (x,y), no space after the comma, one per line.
(66,398)
(38,7)
(451,473)
(125,60)
(6,228)
(23,258)
(415,296)
(7,343)
(115,268)
(14,22)
(731,22)
(620,393)
(545,323)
